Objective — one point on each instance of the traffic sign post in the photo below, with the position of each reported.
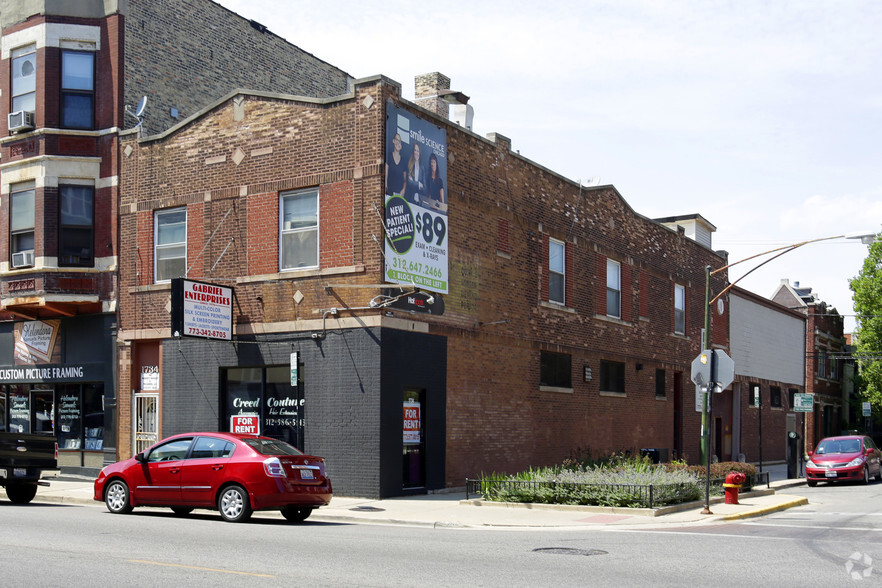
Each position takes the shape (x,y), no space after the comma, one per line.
(712,370)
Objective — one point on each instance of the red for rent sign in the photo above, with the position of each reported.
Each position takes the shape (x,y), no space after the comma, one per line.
(245,423)
(411,422)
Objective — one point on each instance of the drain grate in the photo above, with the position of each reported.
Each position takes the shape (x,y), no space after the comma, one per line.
(367,509)
(569,551)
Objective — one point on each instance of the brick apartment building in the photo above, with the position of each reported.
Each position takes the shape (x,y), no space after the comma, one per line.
(487,317)
(514,318)
(72,75)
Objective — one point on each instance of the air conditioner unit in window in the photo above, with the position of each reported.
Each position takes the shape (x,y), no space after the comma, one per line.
(21,120)
(23,258)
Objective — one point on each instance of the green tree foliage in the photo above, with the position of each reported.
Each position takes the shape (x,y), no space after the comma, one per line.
(867,288)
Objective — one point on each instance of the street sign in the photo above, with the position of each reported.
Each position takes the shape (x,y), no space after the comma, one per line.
(803,402)
(294,368)
(717,360)
(866,409)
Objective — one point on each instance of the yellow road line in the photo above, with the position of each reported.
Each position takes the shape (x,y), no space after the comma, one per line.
(171,565)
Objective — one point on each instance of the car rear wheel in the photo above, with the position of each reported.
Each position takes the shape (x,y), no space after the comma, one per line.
(233,504)
(116,497)
(21,493)
(296,514)
(182,511)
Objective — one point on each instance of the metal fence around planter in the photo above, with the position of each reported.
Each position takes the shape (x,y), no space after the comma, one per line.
(624,495)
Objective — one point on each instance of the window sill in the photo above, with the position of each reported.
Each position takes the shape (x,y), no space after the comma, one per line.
(614,320)
(305,273)
(661,398)
(555,389)
(150,288)
(556,306)
(614,394)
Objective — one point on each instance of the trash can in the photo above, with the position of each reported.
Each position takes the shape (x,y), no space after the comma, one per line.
(652,454)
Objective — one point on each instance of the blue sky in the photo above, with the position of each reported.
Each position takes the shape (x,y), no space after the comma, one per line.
(762,116)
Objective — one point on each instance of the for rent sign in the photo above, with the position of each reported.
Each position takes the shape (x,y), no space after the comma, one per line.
(411,423)
(247,424)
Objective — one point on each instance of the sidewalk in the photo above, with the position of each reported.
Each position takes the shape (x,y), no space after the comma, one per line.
(454,511)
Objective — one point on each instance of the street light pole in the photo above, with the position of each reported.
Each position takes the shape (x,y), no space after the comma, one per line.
(706,336)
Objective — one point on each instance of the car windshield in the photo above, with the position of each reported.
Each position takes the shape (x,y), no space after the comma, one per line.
(272,447)
(841,446)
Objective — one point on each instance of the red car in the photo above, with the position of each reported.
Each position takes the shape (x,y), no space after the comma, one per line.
(850,457)
(235,474)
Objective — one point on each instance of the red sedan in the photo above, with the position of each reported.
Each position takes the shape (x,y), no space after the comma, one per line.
(850,457)
(234,474)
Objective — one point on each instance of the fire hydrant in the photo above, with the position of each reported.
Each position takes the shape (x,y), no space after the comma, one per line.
(732,484)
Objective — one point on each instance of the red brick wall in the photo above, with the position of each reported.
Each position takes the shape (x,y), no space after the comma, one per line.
(498,417)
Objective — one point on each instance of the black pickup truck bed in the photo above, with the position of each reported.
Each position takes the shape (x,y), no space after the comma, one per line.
(23,459)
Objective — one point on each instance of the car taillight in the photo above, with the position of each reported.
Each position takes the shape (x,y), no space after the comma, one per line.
(273,467)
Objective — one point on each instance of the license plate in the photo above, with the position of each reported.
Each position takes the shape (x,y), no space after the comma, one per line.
(20,472)
(306,475)
(831,474)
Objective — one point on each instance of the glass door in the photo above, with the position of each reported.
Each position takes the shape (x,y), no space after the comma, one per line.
(413,439)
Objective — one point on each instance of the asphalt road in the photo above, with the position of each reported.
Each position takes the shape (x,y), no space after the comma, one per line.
(59,545)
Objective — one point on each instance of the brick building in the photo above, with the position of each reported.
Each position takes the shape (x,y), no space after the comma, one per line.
(515,317)
(825,349)
(768,346)
(72,74)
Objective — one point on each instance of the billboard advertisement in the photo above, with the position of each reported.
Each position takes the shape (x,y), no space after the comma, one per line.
(416,201)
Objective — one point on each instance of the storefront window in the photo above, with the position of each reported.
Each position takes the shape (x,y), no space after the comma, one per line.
(266,393)
(19,409)
(70,418)
(93,408)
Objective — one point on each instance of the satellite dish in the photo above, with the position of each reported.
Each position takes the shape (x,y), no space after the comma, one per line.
(139,111)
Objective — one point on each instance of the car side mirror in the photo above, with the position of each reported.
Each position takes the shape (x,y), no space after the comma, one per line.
(140,458)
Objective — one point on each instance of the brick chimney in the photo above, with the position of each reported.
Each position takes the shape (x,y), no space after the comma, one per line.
(428,90)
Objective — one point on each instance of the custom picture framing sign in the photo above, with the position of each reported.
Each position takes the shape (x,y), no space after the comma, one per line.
(200,309)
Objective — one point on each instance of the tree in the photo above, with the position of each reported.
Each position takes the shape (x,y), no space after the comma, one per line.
(867,288)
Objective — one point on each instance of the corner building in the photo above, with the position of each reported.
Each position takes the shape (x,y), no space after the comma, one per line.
(523,318)
(73,75)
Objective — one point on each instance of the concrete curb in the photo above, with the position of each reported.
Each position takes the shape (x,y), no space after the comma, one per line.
(798,501)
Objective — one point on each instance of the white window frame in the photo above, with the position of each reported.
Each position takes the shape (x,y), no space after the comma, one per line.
(557,269)
(157,247)
(299,230)
(679,309)
(22,195)
(23,100)
(613,284)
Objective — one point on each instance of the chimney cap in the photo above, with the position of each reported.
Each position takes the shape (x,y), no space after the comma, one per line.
(453,97)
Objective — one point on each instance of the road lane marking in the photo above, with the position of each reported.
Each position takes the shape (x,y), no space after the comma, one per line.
(824,527)
(201,569)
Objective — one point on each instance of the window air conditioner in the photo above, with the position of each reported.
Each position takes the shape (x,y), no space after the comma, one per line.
(23,258)
(21,120)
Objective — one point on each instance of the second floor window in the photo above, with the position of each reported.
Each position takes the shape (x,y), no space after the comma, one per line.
(24,79)
(77,89)
(612,376)
(679,309)
(556,271)
(170,236)
(299,230)
(21,226)
(75,234)
(613,288)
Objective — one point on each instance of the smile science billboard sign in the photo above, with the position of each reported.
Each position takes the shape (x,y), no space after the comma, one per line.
(416,201)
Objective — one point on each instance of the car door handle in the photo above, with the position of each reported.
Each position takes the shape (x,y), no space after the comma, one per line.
(217,468)
(174,470)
